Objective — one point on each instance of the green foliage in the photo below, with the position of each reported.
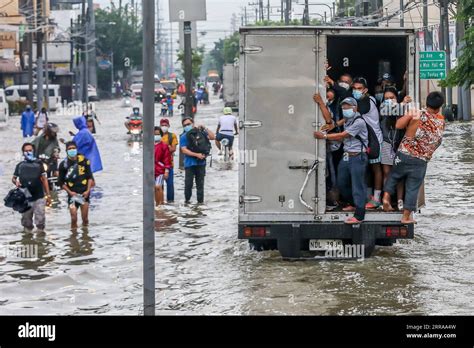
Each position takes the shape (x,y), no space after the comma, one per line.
(225,51)
(198,56)
(464,71)
(117,31)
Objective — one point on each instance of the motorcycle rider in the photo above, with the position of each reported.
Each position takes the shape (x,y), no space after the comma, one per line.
(225,130)
(47,148)
(135,115)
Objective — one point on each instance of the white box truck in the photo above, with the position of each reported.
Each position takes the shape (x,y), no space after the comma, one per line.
(282,191)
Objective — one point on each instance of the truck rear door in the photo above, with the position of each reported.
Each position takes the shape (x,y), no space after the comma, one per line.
(278,121)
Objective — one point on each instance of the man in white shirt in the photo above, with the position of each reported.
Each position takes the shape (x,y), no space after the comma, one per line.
(41,120)
(225,129)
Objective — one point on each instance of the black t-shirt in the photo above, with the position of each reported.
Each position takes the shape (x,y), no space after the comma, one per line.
(75,174)
(29,173)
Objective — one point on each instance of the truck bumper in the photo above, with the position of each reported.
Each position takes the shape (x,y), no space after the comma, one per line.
(294,238)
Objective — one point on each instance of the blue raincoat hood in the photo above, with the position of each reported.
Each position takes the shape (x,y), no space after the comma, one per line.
(86,144)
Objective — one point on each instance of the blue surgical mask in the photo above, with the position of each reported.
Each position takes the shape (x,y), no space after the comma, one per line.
(29,155)
(357,94)
(348,113)
(188,128)
(72,153)
(157,138)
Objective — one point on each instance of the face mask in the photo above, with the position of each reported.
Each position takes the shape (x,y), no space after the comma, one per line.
(388,102)
(188,128)
(348,113)
(164,129)
(357,94)
(71,153)
(344,85)
(379,97)
(157,138)
(29,155)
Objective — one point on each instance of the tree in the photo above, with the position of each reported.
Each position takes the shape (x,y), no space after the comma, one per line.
(117,33)
(197,58)
(463,74)
(225,51)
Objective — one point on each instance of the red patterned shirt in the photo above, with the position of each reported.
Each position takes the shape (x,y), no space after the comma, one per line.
(427,138)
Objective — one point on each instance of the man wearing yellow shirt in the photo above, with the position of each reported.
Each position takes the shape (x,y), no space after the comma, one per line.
(172,141)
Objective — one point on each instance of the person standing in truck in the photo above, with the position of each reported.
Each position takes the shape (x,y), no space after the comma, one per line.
(424,134)
(351,179)
(367,106)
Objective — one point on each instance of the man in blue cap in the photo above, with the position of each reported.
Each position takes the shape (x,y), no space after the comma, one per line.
(353,166)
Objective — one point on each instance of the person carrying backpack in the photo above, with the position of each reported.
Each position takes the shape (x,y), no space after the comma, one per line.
(196,146)
(30,174)
(351,172)
(172,141)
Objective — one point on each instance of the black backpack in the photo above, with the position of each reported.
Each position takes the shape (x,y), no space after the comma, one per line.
(29,172)
(373,148)
(198,141)
(18,200)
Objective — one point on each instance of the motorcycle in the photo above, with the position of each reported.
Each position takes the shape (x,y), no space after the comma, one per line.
(136,127)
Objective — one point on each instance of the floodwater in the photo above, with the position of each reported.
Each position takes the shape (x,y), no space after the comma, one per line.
(201,268)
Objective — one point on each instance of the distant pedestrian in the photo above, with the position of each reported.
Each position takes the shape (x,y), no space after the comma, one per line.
(30,174)
(41,120)
(86,144)
(27,122)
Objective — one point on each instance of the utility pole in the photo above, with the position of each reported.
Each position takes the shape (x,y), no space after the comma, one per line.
(245,14)
(268,10)
(464,92)
(260,6)
(402,16)
(441,36)
(188,70)
(46,63)
(92,46)
(148,157)
(282,11)
(287,12)
(39,55)
(30,52)
(85,31)
(341,8)
(158,39)
(171,48)
(447,48)
(306,13)
(425,21)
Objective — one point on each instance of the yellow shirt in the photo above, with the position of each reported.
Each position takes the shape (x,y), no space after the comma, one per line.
(174,141)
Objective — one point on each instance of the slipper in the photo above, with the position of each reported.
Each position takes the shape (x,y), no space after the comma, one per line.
(387,206)
(353,221)
(407,222)
(349,208)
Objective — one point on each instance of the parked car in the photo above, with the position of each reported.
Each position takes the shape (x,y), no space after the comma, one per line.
(136,89)
(4,112)
(20,93)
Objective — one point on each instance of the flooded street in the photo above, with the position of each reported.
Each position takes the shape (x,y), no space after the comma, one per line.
(201,268)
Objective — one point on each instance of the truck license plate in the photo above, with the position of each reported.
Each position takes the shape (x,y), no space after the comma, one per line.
(325,244)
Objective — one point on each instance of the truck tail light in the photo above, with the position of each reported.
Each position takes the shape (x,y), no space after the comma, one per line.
(259,231)
(392,231)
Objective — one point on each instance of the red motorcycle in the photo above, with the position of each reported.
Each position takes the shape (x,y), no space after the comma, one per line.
(136,127)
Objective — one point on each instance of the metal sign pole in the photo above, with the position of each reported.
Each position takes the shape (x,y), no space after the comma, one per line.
(148,157)
(188,70)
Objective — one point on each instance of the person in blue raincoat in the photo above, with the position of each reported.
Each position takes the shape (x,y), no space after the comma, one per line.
(86,144)
(27,122)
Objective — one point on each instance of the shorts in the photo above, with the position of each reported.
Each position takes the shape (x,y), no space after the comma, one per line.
(70,201)
(221,136)
(378,159)
(159,180)
(388,155)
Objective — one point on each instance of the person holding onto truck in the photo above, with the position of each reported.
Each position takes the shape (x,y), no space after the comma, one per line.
(352,168)
(367,106)
(27,122)
(390,112)
(225,130)
(171,140)
(195,146)
(424,134)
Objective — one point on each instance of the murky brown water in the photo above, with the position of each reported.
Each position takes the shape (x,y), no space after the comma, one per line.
(202,268)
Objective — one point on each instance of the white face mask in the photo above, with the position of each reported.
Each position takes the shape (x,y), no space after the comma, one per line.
(164,129)
(344,85)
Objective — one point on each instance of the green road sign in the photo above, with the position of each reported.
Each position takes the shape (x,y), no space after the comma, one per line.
(433,65)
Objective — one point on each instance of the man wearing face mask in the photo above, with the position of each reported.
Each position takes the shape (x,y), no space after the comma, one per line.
(352,168)
(30,174)
(76,178)
(162,165)
(194,161)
